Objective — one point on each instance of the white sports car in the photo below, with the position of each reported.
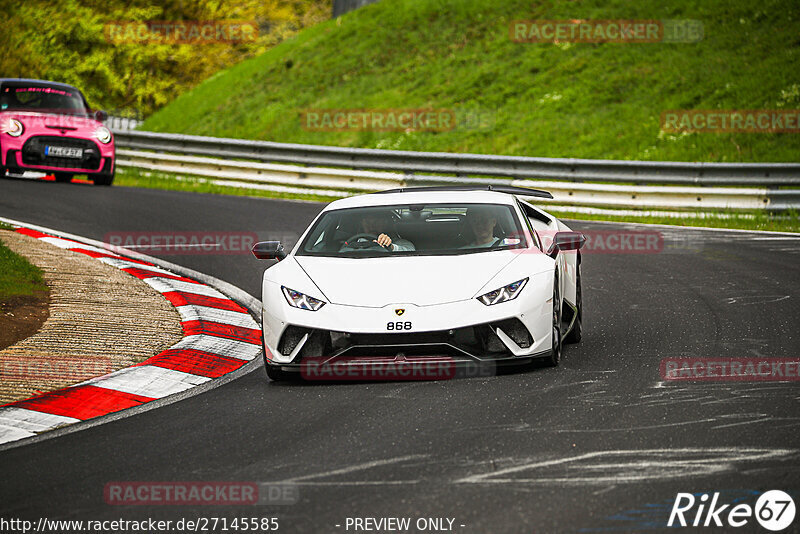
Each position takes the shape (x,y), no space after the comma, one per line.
(473,274)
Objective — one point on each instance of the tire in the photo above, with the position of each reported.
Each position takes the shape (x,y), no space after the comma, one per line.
(554,358)
(276,374)
(103,179)
(63,177)
(576,333)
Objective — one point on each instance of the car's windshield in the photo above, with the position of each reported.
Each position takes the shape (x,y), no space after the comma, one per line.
(416,229)
(41,97)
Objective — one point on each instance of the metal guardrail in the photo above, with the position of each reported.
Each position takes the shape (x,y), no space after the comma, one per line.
(340,7)
(118,124)
(470,168)
(342,182)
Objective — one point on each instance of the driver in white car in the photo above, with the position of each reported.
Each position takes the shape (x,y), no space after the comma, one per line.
(381,226)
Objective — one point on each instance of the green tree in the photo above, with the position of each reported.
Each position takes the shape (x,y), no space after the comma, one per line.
(66,41)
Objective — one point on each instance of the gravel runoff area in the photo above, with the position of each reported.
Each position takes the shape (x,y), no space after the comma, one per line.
(101,319)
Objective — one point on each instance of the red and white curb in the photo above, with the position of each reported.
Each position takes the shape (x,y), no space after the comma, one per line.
(219,337)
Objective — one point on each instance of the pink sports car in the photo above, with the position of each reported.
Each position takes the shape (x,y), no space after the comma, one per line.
(49,127)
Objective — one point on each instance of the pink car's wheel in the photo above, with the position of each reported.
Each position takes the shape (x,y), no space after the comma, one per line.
(103,179)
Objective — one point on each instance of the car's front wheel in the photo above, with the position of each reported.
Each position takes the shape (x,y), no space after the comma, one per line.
(554,358)
(276,374)
(103,179)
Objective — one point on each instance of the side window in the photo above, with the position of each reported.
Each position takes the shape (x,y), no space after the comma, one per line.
(526,216)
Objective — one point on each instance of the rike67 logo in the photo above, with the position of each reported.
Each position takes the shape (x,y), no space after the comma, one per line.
(774,510)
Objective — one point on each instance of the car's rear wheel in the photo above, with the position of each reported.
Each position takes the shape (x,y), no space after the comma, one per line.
(575,334)
(554,358)
(63,177)
(103,179)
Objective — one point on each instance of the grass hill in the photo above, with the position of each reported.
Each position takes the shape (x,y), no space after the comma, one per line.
(590,100)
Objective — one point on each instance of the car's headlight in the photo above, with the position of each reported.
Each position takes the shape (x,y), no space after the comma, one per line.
(103,135)
(301,300)
(504,294)
(14,128)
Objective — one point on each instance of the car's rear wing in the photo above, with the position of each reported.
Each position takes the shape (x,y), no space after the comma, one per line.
(510,189)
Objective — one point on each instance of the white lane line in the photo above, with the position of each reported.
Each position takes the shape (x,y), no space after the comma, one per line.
(230,348)
(205,313)
(68,244)
(9,433)
(747,300)
(645,464)
(625,429)
(359,467)
(358,483)
(167,285)
(182,246)
(148,381)
(31,420)
(125,264)
(604,490)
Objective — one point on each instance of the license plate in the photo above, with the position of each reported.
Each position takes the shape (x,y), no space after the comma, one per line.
(63,151)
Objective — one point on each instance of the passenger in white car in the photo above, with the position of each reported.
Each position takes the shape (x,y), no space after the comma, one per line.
(481,221)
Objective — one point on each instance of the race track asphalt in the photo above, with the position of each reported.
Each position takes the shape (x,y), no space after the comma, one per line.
(601,443)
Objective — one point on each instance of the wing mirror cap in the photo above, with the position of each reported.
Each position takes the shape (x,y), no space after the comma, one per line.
(269,250)
(100,115)
(566,241)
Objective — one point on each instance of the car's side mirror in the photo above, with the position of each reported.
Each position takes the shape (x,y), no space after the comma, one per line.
(269,250)
(566,241)
(100,115)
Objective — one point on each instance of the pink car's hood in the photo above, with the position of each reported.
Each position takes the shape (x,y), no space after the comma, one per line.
(52,123)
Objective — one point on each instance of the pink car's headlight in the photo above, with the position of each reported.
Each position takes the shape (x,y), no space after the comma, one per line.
(103,135)
(13,127)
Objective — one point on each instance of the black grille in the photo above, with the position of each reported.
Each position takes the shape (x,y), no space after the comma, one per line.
(291,337)
(515,329)
(478,340)
(33,153)
(11,159)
